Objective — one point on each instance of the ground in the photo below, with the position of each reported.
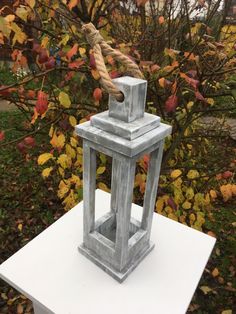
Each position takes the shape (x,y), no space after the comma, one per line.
(28,206)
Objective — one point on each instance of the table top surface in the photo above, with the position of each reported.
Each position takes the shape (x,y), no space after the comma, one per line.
(51,272)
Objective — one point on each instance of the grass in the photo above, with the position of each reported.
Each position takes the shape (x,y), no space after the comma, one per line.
(28,206)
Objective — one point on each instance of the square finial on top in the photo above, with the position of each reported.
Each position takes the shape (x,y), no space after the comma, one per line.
(133,106)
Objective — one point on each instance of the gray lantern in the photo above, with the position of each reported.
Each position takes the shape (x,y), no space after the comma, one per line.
(117,242)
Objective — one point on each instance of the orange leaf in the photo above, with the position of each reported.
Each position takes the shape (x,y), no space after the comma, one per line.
(97,94)
(72,4)
(72,52)
(161,20)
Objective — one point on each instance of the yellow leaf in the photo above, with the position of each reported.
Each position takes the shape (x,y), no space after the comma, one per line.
(70,151)
(20,227)
(226,192)
(44,41)
(73,142)
(82,51)
(210,101)
(186,205)
(175,173)
(192,218)
(31,3)
(44,158)
(46,172)
(64,161)
(64,40)
(70,200)
(215,272)
(10,18)
(227,312)
(58,141)
(205,289)
(61,171)
(22,12)
(51,131)
(193,174)
(72,121)
(189,105)
(189,193)
(75,180)
(63,189)
(103,187)
(95,74)
(19,35)
(82,120)
(101,170)
(159,205)
(213,194)
(64,100)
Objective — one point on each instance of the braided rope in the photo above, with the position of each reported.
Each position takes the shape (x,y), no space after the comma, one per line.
(99,46)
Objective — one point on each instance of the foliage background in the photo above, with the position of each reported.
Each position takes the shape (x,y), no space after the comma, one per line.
(186,52)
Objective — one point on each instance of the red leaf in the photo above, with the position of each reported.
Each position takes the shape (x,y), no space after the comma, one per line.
(21,147)
(114,74)
(92,61)
(75,64)
(194,83)
(29,141)
(72,52)
(227,174)
(200,97)
(2,135)
(171,103)
(42,102)
(97,94)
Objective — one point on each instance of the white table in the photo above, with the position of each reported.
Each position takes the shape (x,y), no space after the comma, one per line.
(51,272)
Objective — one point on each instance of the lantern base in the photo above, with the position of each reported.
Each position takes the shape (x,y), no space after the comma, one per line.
(119,276)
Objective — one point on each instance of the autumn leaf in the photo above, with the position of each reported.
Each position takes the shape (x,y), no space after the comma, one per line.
(75,64)
(103,187)
(101,170)
(64,161)
(64,100)
(41,103)
(161,20)
(46,172)
(95,74)
(22,12)
(215,272)
(72,52)
(171,103)
(19,36)
(58,141)
(63,189)
(72,4)
(72,121)
(31,3)
(175,173)
(70,200)
(193,174)
(2,135)
(199,96)
(43,158)
(97,94)
(205,289)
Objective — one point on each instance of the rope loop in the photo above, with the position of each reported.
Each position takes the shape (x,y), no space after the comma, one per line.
(100,47)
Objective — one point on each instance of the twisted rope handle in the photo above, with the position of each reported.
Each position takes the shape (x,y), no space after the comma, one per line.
(100,47)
